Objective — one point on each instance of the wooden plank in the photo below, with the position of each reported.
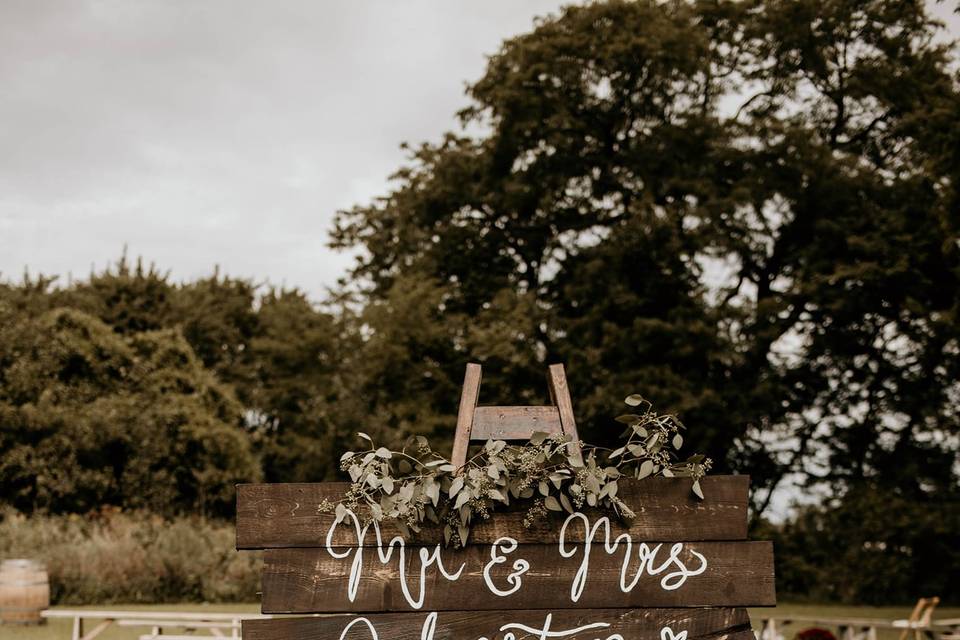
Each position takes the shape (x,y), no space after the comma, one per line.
(634,624)
(560,394)
(285,515)
(514,423)
(696,574)
(468,402)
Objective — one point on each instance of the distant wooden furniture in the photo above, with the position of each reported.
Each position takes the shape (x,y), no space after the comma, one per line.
(946,628)
(481,423)
(847,628)
(919,624)
(218,625)
(919,618)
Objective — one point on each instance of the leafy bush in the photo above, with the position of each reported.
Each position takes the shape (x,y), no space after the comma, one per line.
(90,418)
(133,557)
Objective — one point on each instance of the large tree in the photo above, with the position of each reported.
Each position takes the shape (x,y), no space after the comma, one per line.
(747,211)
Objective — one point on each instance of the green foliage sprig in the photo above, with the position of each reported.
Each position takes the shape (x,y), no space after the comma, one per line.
(416,485)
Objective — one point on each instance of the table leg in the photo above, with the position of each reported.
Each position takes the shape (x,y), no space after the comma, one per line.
(97,630)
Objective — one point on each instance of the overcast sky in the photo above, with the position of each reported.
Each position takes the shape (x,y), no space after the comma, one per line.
(221,132)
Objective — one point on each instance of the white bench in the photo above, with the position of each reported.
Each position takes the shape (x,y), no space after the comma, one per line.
(217,625)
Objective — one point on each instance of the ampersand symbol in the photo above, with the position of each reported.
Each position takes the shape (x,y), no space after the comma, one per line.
(497,550)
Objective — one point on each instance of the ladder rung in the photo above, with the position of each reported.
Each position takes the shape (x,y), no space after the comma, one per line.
(514,423)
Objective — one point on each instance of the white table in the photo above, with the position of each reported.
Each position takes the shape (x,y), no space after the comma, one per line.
(217,625)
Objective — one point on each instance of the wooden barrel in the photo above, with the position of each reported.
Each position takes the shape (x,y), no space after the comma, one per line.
(24,591)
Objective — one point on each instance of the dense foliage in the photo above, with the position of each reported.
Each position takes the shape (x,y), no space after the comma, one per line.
(92,418)
(868,548)
(748,211)
(129,390)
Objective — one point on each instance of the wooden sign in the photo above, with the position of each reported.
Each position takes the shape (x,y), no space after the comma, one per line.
(681,570)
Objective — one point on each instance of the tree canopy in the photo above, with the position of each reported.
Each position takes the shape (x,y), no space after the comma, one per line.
(129,390)
(747,211)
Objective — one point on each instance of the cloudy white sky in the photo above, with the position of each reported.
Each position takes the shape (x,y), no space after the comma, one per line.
(221,132)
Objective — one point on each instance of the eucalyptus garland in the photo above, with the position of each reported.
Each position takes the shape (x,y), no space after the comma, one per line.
(416,485)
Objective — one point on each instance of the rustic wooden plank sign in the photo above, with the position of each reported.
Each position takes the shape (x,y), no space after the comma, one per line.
(508,574)
(272,516)
(683,566)
(574,624)
(681,570)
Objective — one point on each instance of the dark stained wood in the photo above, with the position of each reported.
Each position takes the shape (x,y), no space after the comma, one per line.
(688,569)
(560,396)
(468,402)
(514,423)
(285,515)
(632,624)
(738,574)
(511,422)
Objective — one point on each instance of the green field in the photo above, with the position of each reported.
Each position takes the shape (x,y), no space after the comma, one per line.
(60,629)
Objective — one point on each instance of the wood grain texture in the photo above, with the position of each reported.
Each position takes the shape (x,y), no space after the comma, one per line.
(633,624)
(738,574)
(514,423)
(560,395)
(285,515)
(468,402)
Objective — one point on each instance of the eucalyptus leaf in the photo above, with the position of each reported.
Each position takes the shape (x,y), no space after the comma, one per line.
(433,492)
(646,468)
(697,489)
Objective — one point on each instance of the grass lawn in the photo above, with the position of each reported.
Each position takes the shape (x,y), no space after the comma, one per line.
(60,629)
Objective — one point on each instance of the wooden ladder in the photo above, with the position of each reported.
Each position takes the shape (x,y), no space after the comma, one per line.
(512,423)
